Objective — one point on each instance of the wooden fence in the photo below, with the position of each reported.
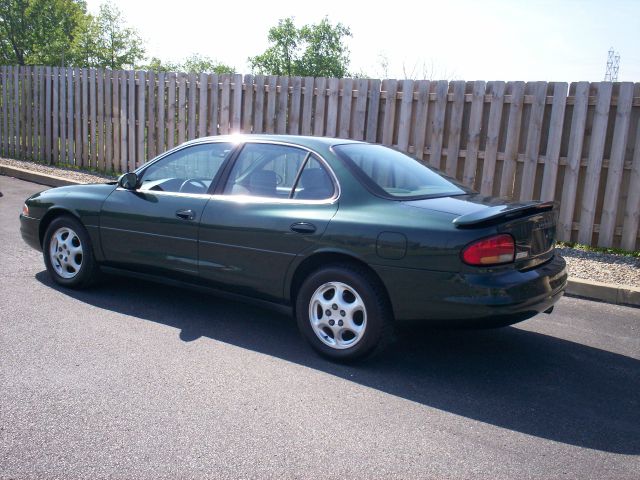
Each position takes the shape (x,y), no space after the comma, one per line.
(578,144)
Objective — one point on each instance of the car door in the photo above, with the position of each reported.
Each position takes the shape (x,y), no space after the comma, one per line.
(155,226)
(276,202)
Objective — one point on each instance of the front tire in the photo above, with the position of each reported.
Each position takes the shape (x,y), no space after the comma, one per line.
(343,312)
(68,253)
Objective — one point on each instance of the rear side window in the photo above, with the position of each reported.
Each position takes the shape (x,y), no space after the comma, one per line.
(393,174)
(278,171)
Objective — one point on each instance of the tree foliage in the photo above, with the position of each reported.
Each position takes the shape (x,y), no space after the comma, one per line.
(194,63)
(317,50)
(39,31)
(106,41)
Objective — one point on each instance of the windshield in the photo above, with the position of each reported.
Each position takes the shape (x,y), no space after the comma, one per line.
(391,173)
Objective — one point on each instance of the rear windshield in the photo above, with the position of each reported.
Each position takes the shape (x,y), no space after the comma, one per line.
(393,174)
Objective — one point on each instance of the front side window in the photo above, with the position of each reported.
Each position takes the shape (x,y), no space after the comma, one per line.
(278,171)
(189,170)
(393,174)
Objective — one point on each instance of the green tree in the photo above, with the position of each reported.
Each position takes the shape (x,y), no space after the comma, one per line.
(38,31)
(312,50)
(196,63)
(106,41)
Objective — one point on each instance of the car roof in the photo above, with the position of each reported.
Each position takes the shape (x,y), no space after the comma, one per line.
(306,141)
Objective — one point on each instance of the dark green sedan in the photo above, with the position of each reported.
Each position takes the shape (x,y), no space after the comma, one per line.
(351,237)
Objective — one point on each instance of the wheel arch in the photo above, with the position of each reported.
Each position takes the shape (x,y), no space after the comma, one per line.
(50,216)
(323,259)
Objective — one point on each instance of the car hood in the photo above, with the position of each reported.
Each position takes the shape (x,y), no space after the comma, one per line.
(474,209)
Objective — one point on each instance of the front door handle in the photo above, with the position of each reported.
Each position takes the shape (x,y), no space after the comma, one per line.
(186,214)
(303,227)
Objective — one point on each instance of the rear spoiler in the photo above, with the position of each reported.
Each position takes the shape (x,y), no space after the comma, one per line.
(501,213)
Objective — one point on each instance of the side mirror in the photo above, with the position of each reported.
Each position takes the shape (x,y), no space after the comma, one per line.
(128,180)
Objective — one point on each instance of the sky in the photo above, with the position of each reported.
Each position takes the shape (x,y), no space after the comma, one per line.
(561,40)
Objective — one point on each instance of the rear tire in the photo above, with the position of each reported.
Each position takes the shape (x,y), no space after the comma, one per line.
(68,253)
(343,312)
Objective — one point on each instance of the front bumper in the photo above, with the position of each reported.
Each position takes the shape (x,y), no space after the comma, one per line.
(30,231)
(499,298)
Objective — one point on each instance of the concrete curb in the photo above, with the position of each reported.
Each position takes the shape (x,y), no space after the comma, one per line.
(36,177)
(576,287)
(604,292)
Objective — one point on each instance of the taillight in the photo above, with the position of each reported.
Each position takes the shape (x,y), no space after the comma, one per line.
(490,251)
(25,210)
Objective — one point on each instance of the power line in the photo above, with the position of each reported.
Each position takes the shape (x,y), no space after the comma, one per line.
(613,65)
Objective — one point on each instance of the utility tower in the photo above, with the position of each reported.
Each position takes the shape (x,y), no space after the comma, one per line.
(613,65)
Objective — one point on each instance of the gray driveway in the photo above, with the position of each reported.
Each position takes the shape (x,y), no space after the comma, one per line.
(136,380)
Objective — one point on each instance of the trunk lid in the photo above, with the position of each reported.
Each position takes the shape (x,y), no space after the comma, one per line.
(532,224)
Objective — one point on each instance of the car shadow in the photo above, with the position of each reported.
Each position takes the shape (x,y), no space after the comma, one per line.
(511,378)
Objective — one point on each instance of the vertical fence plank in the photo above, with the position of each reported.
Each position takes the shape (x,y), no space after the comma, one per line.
(191,109)
(131,127)
(556,123)
(28,113)
(360,115)
(594,167)
(473,138)
(23,111)
(16,112)
(616,166)
(93,127)
(282,105)
(182,107)
(406,110)
(632,207)
(55,98)
(47,115)
(70,147)
(100,125)
(5,125)
(318,119)
(307,106)
(171,111)
(42,114)
(203,105)
(388,124)
(9,87)
(345,108)
(271,104)
(258,110)
(77,117)
(437,127)
(533,141)
(116,108)
(294,108)
(108,122)
(247,105)
(151,115)
(493,137)
(420,123)
(85,118)
(236,113)
(141,90)
(35,145)
(160,147)
(63,115)
(455,128)
(214,104)
(332,107)
(124,123)
(5,113)
(225,104)
(513,137)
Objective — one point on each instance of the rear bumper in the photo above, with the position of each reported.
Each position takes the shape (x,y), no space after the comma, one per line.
(485,299)
(29,229)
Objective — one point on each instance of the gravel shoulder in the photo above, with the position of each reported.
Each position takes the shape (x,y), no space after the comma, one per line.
(594,266)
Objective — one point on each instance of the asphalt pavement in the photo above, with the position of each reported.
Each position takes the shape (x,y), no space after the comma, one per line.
(136,380)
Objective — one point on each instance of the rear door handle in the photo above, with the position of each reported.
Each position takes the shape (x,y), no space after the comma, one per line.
(186,214)
(303,227)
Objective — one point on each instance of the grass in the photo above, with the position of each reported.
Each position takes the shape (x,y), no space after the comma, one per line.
(587,248)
